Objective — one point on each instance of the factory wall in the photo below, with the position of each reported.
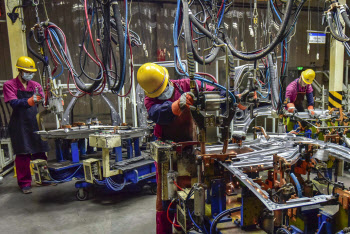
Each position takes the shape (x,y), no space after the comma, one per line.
(153,22)
(5,61)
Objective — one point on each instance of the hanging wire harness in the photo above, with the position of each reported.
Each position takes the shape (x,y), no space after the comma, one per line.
(110,31)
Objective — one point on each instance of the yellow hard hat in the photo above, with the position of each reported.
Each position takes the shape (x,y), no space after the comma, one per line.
(26,64)
(153,78)
(308,76)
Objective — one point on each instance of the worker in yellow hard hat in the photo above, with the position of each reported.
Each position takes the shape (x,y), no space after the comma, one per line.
(296,91)
(24,94)
(167,102)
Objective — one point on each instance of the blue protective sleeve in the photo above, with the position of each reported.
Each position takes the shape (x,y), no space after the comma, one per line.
(17,103)
(161,113)
(310,99)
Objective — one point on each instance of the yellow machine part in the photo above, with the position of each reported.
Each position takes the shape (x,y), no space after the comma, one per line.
(342,219)
(299,223)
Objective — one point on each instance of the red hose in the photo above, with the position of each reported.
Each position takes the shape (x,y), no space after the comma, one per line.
(167,215)
(178,186)
(209,75)
(90,33)
(222,4)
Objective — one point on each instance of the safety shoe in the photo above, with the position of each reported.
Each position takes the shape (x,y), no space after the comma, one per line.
(27,190)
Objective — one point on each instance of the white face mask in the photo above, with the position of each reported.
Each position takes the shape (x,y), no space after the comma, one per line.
(167,94)
(27,76)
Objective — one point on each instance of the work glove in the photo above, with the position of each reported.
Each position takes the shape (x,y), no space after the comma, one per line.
(185,101)
(311,110)
(291,107)
(34,100)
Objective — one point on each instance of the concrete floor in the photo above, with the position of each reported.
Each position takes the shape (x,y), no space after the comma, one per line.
(54,209)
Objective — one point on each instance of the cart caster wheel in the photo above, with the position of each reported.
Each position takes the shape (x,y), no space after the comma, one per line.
(82,195)
(154,189)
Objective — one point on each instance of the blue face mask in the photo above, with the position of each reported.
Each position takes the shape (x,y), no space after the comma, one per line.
(167,94)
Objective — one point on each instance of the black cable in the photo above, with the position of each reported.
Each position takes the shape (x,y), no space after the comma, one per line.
(203,11)
(220,216)
(119,28)
(80,84)
(106,42)
(189,43)
(279,37)
(38,56)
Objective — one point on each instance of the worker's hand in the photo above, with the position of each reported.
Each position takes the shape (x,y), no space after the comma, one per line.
(185,101)
(34,100)
(291,107)
(311,110)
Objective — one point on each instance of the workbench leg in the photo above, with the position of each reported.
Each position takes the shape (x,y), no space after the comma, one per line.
(89,150)
(118,154)
(129,148)
(137,147)
(82,145)
(59,150)
(218,197)
(75,152)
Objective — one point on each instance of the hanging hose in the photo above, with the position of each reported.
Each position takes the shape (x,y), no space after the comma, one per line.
(274,83)
(188,38)
(345,16)
(29,37)
(332,29)
(65,54)
(220,216)
(250,56)
(106,48)
(119,28)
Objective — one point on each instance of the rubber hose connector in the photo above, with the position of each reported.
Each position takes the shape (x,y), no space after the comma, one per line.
(191,65)
(345,16)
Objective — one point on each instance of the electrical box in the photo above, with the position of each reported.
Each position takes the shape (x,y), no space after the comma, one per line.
(6,154)
(41,170)
(92,170)
(105,140)
(182,214)
(162,151)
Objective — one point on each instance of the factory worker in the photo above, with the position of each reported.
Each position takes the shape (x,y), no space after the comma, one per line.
(167,102)
(296,91)
(20,92)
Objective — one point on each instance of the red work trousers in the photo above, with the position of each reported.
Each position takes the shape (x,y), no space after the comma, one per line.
(22,161)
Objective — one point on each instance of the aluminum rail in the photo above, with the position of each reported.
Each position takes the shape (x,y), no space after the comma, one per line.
(265,198)
(85,131)
(338,151)
(242,124)
(262,156)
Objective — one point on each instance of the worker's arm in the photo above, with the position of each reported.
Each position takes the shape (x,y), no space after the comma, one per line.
(291,91)
(10,95)
(291,94)
(310,95)
(19,103)
(161,113)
